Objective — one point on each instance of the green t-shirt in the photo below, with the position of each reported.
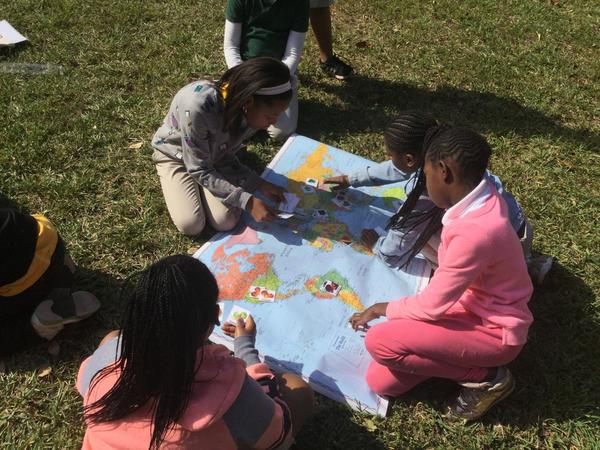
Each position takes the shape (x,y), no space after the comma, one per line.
(266,24)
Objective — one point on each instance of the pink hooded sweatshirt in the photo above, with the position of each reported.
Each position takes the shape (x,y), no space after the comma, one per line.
(228,409)
(481,266)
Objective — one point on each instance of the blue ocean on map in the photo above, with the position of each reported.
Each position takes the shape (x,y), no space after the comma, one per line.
(303,277)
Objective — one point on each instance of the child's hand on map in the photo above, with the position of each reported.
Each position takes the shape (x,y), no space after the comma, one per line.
(341,181)
(361,319)
(369,237)
(272,191)
(241,328)
(260,211)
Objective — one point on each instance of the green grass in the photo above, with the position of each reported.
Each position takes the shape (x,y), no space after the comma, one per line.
(524,73)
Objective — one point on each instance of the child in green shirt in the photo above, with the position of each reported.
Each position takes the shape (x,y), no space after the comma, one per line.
(275,28)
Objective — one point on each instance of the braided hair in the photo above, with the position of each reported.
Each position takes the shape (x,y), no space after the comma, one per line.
(469,150)
(241,83)
(406,133)
(166,320)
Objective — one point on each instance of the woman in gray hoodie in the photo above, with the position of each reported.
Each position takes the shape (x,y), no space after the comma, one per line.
(195,147)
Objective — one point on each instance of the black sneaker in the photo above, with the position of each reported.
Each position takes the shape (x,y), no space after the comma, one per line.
(336,67)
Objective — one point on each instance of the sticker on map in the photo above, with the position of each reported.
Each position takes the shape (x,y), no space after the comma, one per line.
(237,312)
(330,287)
(302,278)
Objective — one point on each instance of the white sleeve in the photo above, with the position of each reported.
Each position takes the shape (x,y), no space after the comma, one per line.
(293,50)
(231,43)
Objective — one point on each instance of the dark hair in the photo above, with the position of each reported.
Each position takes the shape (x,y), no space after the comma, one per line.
(242,82)
(469,150)
(408,219)
(406,133)
(165,321)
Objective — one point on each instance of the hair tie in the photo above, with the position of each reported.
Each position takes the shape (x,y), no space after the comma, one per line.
(275,90)
(225,91)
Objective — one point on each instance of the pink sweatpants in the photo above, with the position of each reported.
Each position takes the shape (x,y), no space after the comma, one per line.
(406,352)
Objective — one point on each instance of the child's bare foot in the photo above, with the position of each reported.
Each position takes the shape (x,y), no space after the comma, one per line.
(369,237)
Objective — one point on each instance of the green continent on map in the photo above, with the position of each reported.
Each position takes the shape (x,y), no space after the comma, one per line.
(391,195)
(320,199)
(269,280)
(345,294)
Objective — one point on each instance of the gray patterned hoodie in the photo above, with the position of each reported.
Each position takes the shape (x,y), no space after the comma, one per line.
(192,132)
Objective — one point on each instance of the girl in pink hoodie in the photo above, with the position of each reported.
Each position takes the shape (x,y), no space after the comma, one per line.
(472,318)
(157,384)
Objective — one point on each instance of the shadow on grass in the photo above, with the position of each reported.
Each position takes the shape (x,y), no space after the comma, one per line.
(557,372)
(77,341)
(8,52)
(368,101)
(332,428)
(6,202)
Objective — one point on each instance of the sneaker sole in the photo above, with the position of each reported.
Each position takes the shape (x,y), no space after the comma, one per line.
(89,299)
(64,321)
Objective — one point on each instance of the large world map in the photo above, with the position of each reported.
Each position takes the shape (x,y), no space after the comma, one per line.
(314,273)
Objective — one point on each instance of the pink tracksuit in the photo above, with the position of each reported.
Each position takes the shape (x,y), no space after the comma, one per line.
(473,314)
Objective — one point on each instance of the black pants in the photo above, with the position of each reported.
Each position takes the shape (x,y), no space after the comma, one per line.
(16,331)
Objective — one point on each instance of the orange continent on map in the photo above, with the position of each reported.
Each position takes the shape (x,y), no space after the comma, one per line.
(312,168)
(234,282)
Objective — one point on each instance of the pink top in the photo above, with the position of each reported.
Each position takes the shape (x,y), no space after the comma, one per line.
(227,410)
(481,266)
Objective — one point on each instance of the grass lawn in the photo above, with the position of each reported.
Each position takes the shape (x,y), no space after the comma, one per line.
(524,73)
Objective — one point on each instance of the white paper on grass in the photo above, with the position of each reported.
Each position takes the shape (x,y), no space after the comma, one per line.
(8,34)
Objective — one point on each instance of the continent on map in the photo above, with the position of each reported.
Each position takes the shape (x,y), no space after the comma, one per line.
(393,196)
(247,236)
(269,281)
(323,235)
(312,168)
(346,294)
(235,273)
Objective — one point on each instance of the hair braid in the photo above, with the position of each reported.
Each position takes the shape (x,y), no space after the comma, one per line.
(408,219)
(468,149)
(165,322)
(406,133)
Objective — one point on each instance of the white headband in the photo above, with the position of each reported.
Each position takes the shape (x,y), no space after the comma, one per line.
(274,90)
